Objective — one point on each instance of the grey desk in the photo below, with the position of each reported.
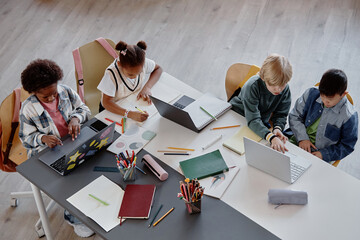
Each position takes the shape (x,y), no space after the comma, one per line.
(216,221)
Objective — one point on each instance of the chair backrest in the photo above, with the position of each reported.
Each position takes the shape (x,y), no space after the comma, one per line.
(17,153)
(237,75)
(95,59)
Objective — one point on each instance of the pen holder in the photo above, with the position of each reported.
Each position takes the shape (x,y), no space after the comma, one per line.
(128,173)
(193,207)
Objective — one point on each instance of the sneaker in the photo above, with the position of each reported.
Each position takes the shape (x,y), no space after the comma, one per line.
(79,228)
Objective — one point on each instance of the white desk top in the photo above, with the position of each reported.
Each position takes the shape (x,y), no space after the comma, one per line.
(333,210)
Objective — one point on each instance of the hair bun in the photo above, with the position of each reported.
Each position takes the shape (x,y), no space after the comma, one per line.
(142,45)
(121,46)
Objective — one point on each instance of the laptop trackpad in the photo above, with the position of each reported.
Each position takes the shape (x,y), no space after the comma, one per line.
(68,145)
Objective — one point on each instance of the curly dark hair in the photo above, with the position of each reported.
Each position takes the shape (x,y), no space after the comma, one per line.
(39,74)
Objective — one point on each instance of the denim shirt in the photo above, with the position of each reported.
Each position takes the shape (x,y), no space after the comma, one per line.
(337,132)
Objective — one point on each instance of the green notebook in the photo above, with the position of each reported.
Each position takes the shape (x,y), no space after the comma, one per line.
(204,166)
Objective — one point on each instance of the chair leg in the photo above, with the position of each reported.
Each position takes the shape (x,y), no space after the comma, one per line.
(14,202)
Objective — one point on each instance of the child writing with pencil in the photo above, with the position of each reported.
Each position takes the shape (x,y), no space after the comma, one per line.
(52,111)
(266,97)
(127,75)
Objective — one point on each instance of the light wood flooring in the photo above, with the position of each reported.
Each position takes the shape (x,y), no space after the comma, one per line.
(194,40)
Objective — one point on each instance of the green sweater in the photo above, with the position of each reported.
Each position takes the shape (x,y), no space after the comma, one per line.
(257,104)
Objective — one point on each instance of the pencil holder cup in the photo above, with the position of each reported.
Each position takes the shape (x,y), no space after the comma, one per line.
(193,207)
(128,174)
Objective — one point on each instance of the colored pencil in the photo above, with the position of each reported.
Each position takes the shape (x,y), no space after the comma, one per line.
(155,215)
(108,119)
(169,153)
(216,128)
(139,109)
(163,216)
(185,149)
(97,199)
(172,151)
(208,113)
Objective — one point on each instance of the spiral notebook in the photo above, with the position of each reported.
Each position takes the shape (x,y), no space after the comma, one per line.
(206,109)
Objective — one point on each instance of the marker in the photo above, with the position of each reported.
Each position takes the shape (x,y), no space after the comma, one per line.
(155,215)
(212,142)
(208,113)
(139,109)
(108,119)
(216,128)
(163,217)
(99,200)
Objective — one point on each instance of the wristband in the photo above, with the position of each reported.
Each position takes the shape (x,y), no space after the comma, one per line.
(126,113)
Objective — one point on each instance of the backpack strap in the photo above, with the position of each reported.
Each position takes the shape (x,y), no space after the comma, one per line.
(107,47)
(79,68)
(79,71)
(14,123)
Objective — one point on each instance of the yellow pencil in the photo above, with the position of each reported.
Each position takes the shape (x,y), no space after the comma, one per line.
(163,217)
(185,149)
(216,128)
(139,109)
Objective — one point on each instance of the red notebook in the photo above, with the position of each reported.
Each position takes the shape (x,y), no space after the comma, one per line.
(137,201)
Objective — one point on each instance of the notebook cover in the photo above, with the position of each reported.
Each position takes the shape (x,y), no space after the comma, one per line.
(204,166)
(137,201)
(236,142)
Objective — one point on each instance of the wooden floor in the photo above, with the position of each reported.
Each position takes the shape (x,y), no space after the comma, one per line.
(194,40)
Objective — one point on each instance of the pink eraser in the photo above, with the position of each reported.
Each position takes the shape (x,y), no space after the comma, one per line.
(155,167)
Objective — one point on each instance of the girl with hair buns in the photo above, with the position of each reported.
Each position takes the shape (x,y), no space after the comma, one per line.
(130,73)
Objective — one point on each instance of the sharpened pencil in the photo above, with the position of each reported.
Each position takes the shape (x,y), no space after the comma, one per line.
(155,216)
(169,153)
(216,128)
(163,217)
(185,149)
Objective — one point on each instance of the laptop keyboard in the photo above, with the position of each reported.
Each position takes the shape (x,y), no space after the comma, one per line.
(178,105)
(296,170)
(59,165)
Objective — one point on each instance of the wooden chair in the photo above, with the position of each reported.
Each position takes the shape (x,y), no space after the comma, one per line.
(336,163)
(95,59)
(237,75)
(17,154)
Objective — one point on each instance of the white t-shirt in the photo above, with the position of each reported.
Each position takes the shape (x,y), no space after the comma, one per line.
(125,86)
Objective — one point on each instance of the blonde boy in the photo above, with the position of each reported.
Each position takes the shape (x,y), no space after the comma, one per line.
(266,97)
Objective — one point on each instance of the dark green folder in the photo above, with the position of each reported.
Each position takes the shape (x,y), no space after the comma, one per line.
(204,166)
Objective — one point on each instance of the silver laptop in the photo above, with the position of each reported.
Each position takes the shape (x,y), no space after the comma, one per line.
(287,167)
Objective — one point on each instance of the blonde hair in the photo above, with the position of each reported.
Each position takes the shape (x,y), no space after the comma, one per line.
(276,70)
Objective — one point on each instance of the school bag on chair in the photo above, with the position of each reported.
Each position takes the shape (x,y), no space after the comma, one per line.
(12,151)
(91,61)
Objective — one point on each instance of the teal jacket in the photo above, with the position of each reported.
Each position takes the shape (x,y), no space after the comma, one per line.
(258,105)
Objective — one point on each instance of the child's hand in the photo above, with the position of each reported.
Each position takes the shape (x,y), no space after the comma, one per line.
(306,145)
(51,141)
(74,127)
(317,154)
(144,94)
(278,145)
(138,116)
(280,135)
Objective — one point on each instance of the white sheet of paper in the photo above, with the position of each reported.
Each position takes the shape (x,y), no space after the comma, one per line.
(106,190)
(215,186)
(134,138)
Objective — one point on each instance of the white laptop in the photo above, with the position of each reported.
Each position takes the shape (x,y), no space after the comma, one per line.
(287,167)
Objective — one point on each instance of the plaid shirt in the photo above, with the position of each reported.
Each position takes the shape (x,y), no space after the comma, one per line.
(35,121)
